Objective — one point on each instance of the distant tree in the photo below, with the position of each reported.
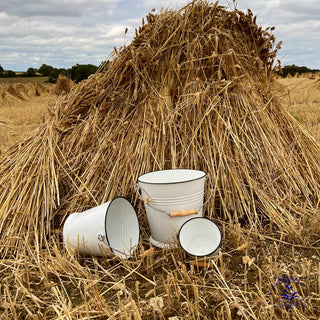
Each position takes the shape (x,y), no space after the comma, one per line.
(31,72)
(1,71)
(9,73)
(81,72)
(45,70)
(293,69)
(54,74)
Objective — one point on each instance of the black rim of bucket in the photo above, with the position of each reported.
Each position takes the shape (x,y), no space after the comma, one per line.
(198,255)
(105,224)
(159,183)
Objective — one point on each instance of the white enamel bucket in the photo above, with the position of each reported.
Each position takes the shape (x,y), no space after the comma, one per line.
(171,197)
(111,228)
(199,237)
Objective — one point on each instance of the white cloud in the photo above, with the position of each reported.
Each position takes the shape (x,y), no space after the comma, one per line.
(71,8)
(63,33)
(41,41)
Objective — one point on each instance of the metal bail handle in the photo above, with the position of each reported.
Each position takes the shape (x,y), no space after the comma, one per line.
(184,213)
(181,213)
(138,188)
(103,239)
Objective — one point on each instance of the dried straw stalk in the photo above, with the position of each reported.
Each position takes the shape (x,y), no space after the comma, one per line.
(193,90)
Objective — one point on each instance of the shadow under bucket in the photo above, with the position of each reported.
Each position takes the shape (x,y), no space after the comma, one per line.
(171,197)
(111,228)
(199,237)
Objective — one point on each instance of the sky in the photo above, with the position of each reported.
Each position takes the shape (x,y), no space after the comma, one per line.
(62,33)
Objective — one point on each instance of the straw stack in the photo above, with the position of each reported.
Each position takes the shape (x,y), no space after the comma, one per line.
(193,90)
(11,92)
(63,85)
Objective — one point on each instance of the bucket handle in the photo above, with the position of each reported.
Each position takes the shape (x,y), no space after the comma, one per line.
(102,238)
(181,213)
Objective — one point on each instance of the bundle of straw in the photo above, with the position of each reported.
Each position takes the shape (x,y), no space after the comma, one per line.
(192,90)
(63,85)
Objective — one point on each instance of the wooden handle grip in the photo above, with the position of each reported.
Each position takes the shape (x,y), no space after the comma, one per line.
(183,213)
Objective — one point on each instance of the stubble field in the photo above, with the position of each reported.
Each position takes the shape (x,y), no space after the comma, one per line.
(236,284)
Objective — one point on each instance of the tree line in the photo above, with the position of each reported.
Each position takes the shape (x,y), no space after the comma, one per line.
(76,73)
(81,72)
(293,69)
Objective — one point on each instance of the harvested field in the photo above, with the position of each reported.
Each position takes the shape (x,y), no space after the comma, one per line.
(23,107)
(302,98)
(11,92)
(25,80)
(194,89)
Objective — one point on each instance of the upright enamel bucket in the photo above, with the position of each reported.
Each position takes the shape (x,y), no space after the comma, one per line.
(171,197)
(111,228)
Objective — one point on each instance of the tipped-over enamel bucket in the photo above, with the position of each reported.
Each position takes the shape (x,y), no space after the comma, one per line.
(111,228)
(171,197)
(199,237)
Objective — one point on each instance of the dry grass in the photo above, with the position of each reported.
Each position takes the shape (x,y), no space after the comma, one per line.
(23,107)
(302,98)
(63,85)
(185,93)
(25,80)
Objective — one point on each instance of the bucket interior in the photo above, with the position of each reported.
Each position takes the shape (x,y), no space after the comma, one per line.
(199,237)
(121,226)
(171,176)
